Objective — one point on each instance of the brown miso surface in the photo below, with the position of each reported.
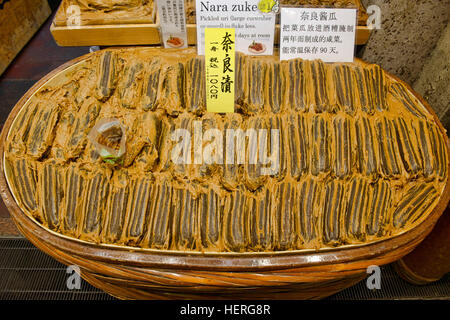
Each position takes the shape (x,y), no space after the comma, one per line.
(361,159)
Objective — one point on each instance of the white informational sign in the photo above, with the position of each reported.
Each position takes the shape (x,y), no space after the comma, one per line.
(318,33)
(173,23)
(254,29)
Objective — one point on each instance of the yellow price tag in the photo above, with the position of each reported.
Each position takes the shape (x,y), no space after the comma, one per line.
(220,67)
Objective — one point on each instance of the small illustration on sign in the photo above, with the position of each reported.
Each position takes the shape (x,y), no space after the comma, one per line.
(175,42)
(256,47)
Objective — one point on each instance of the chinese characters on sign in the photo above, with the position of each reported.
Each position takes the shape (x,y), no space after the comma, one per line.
(318,33)
(173,23)
(219,65)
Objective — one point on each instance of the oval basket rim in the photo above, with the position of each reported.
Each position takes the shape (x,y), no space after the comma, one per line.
(385,250)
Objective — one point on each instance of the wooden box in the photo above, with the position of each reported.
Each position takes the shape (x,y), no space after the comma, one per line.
(19,20)
(136,33)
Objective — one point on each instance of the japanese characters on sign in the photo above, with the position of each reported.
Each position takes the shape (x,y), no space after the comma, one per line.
(254,29)
(173,23)
(220,66)
(318,33)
